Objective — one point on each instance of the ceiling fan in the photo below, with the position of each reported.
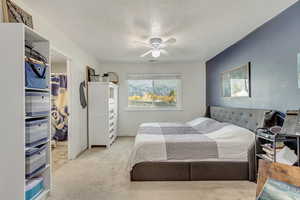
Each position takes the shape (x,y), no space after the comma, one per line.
(157,46)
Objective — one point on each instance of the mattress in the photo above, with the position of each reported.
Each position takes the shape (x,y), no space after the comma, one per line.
(203,139)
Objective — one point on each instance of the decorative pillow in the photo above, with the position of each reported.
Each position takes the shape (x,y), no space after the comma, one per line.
(197,121)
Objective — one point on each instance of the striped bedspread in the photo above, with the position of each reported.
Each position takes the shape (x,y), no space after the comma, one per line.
(198,140)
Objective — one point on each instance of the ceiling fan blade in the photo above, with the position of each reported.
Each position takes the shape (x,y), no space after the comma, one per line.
(144,44)
(170,41)
(145,54)
(165,52)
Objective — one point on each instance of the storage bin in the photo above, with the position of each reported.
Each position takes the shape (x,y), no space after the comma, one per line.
(35,160)
(37,103)
(36,131)
(34,187)
(36,75)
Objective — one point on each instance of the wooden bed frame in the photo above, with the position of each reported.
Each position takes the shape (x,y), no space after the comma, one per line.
(204,170)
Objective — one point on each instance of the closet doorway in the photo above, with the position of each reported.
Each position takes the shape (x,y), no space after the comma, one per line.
(59,109)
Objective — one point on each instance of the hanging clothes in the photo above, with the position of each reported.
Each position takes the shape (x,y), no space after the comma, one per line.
(59,111)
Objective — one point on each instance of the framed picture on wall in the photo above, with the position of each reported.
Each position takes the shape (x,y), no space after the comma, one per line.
(12,13)
(236,82)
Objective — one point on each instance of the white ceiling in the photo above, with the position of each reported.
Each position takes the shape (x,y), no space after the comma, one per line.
(57,57)
(107,29)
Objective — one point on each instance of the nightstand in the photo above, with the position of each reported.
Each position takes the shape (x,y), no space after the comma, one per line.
(267,145)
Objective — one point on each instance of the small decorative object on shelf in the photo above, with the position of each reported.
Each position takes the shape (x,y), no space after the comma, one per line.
(14,14)
(104,77)
(95,78)
(113,77)
(110,77)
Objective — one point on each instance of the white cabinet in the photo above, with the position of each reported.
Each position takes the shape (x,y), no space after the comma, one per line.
(103,113)
(13,143)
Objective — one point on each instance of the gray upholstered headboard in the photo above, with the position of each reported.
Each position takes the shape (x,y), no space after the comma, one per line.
(246,118)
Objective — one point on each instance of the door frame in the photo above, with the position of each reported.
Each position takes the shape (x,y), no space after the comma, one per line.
(69,89)
(87,79)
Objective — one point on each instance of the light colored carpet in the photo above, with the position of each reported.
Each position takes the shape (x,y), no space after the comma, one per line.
(59,155)
(100,174)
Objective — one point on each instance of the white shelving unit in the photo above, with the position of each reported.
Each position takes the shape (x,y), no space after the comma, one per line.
(12,106)
(103,113)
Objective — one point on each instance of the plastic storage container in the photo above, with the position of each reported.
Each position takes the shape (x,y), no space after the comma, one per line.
(34,187)
(36,75)
(36,131)
(35,160)
(37,103)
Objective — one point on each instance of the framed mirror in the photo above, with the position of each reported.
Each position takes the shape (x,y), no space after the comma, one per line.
(236,82)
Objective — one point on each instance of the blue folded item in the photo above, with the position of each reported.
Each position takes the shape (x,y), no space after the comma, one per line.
(34,187)
(35,75)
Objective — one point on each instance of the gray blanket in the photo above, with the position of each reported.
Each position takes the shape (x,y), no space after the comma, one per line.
(182,140)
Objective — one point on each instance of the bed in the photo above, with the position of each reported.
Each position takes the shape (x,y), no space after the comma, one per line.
(219,146)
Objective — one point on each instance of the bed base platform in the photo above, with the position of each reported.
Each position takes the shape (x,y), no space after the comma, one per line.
(190,171)
(196,171)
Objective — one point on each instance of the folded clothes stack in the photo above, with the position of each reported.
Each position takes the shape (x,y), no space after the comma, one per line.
(268,149)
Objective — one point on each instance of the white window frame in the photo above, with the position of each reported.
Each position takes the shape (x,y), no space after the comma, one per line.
(178,106)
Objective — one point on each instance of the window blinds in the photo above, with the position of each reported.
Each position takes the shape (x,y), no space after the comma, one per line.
(153,76)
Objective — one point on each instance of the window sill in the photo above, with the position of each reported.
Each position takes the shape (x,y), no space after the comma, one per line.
(133,109)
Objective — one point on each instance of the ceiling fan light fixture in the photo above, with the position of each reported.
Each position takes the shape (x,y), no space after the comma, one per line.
(155,53)
(157,46)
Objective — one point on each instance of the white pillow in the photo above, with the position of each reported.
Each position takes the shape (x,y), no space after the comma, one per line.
(196,121)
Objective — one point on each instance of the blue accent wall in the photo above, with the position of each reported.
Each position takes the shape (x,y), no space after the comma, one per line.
(272,50)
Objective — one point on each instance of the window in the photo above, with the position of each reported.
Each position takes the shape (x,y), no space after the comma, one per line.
(154,91)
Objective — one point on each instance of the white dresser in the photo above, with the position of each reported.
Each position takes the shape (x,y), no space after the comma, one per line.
(103,113)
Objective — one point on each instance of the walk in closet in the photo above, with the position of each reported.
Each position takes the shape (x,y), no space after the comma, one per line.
(25,114)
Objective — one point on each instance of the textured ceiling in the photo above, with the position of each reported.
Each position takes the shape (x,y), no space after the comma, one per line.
(203,28)
(57,57)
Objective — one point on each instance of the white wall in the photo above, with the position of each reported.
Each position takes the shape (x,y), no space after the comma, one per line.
(193,85)
(79,60)
(58,67)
